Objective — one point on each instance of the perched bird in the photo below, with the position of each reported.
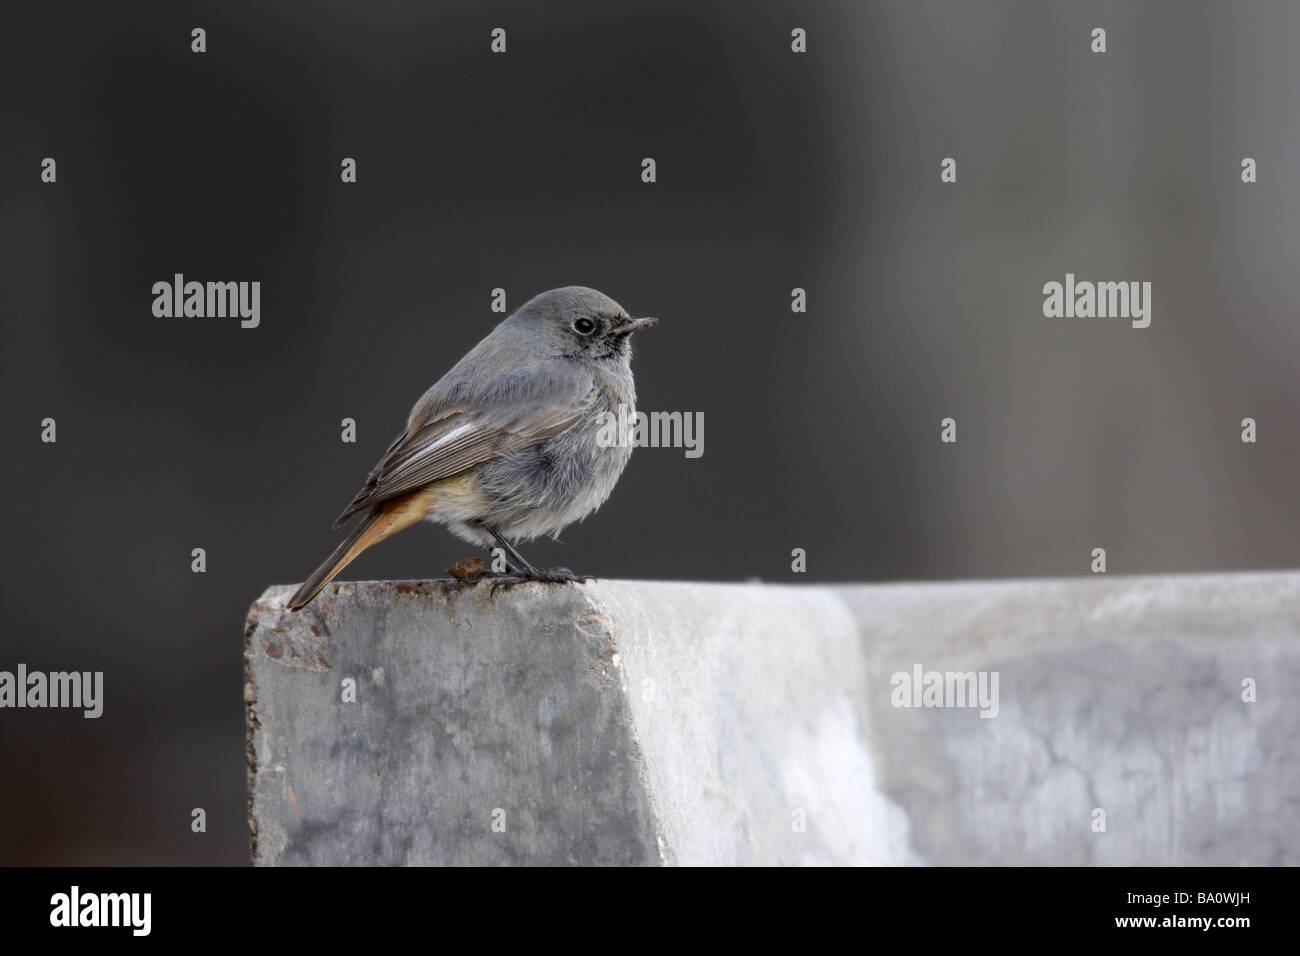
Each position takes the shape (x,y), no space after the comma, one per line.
(507,445)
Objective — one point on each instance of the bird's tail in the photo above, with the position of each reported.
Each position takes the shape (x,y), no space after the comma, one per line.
(384,520)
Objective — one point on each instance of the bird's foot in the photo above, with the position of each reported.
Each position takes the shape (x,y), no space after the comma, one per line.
(508,579)
(502,579)
(559,576)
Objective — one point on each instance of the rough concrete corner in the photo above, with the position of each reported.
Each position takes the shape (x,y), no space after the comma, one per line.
(486,728)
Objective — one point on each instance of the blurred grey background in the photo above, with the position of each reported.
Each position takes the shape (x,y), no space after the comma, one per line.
(521,171)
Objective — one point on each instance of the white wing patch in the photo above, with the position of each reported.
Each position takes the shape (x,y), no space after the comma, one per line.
(434,446)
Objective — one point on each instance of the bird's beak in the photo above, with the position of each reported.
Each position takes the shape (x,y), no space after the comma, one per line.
(632,326)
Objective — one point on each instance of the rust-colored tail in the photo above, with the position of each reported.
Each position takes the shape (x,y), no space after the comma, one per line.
(384,520)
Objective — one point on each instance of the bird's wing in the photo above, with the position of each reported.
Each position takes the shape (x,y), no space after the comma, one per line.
(445,438)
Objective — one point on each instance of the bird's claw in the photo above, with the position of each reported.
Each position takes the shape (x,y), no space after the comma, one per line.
(561,576)
(508,579)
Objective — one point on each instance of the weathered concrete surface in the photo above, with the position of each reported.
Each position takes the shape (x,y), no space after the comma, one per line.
(469,710)
(750,706)
(647,723)
(1119,694)
(611,723)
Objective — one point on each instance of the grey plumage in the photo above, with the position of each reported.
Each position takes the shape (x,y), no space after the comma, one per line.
(507,440)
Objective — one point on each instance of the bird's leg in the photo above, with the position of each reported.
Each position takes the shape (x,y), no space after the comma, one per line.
(514,563)
(514,560)
(520,566)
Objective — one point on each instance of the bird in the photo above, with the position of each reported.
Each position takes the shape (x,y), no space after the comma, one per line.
(508,444)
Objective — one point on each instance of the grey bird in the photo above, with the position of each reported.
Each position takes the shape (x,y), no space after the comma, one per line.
(508,445)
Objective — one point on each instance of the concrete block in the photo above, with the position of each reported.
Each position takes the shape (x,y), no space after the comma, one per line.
(1123,694)
(674,723)
(607,723)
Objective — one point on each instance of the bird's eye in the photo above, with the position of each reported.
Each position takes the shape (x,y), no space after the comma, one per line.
(584,326)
